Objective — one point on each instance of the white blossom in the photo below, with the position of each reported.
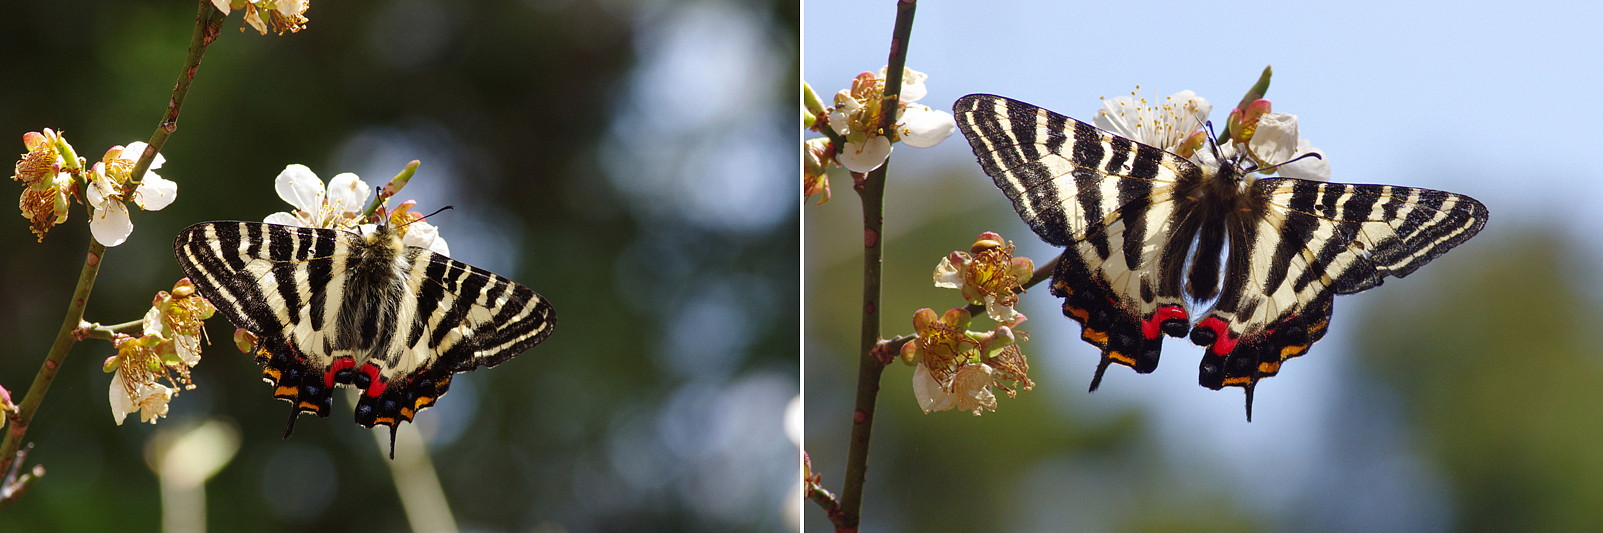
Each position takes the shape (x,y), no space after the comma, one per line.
(108,217)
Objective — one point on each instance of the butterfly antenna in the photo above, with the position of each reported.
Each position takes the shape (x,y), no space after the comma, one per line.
(426,217)
(1276,166)
(437,211)
(1213,141)
(294,413)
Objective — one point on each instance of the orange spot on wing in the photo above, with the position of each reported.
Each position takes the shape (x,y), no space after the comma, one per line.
(1119,357)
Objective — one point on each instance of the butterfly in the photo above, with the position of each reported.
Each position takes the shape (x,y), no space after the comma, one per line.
(332,307)
(1131,215)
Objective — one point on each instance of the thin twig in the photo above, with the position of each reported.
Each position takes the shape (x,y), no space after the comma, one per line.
(869,369)
(207,22)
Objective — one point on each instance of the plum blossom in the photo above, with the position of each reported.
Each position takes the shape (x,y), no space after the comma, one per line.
(108,216)
(1271,140)
(169,345)
(856,117)
(46,175)
(1165,125)
(988,274)
(956,369)
(341,205)
(281,16)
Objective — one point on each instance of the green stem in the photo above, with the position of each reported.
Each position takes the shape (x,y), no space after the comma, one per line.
(207,23)
(103,332)
(872,192)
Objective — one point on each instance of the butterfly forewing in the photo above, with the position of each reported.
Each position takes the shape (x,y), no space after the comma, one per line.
(333,307)
(1130,213)
(1112,201)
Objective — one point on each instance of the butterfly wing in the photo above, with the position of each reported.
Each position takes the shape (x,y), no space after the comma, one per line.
(1306,242)
(1110,200)
(463,317)
(283,283)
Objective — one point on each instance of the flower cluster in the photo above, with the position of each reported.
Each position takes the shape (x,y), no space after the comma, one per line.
(46,173)
(52,175)
(344,204)
(1253,131)
(988,275)
(957,368)
(281,16)
(152,368)
(107,195)
(860,144)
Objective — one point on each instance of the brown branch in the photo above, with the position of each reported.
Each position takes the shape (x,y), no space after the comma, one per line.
(869,369)
(207,22)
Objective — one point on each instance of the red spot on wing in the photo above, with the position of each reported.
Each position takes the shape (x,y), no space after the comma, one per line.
(375,386)
(1150,328)
(339,364)
(1223,343)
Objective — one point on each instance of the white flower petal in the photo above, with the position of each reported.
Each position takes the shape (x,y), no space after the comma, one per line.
(151,322)
(221,5)
(913,87)
(998,312)
(1165,125)
(155,192)
(922,127)
(947,275)
(110,224)
(291,7)
(283,218)
(136,149)
(347,193)
(254,19)
(928,392)
(300,187)
(424,235)
(153,402)
(1275,140)
(837,121)
(865,156)
(971,389)
(121,404)
(101,190)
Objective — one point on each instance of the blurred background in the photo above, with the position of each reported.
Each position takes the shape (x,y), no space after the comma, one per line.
(1468,396)
(630,160)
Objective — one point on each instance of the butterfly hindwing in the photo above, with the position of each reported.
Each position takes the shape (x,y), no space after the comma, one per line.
(464,317)
(1130,216)
(1307,242)
(333,307)
(1112,201)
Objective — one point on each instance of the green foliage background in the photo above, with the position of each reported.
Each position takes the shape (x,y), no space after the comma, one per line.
(646,409)
(1465,397)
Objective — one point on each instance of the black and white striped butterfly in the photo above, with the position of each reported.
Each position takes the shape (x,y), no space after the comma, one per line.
(332,307)
(1130,214)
